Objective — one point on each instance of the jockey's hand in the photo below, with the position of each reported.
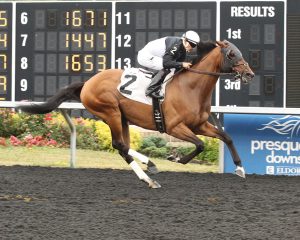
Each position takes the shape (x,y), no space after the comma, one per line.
(186,65)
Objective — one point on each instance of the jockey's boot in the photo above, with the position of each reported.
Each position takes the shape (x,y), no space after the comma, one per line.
(154,87)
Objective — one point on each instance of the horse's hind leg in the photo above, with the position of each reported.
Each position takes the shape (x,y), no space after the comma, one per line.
(116,127)
(209,130)
(144,159)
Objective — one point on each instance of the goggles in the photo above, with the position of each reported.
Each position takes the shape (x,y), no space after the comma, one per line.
(192,44)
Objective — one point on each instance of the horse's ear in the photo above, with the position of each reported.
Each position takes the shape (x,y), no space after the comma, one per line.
(222,44)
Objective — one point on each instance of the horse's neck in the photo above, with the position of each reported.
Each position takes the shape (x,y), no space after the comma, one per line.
(203,85)
(198,88)
(211,62)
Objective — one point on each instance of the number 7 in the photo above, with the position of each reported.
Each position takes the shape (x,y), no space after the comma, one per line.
(24,36)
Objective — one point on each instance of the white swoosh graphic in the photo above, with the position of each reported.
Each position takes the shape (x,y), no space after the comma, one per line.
(287,125)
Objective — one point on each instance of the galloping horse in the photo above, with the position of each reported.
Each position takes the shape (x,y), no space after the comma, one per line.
(186,106)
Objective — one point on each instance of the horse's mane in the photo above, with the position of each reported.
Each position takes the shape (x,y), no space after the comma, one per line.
(203,49)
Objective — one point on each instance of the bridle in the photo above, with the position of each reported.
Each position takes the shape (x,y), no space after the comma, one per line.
(239,75)
(229,64)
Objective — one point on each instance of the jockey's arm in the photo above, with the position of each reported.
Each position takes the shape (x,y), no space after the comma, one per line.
(169,62)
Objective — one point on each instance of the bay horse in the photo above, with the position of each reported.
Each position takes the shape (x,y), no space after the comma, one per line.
(186,107)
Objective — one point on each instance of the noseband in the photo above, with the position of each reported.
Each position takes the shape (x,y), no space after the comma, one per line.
(239,75)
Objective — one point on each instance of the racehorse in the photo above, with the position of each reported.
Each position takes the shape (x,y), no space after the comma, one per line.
(186,106)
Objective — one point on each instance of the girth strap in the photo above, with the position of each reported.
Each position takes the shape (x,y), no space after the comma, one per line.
(158,115)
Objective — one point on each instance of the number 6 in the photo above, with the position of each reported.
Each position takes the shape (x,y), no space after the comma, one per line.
(24,18)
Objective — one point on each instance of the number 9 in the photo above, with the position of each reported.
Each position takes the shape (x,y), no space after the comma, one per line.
(24,85)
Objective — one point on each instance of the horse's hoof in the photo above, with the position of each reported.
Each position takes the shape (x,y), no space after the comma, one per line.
(172,158)
(154,184)
(240,172)
(152,169)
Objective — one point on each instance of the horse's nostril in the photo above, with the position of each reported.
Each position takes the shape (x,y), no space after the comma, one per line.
(250,75)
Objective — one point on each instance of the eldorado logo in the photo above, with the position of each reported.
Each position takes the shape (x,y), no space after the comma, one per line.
(287,125)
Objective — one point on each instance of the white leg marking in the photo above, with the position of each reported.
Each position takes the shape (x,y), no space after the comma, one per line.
(240,171)
(139,156)
(139,171)
(143,176)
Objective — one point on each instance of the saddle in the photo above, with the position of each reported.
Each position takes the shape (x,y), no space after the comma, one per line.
(134,82)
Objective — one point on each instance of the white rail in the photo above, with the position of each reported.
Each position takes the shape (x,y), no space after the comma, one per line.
(257,110)
(220,109)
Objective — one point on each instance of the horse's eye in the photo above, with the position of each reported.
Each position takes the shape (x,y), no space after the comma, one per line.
(231,54)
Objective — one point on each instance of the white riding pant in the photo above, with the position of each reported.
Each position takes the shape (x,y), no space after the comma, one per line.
(149,60)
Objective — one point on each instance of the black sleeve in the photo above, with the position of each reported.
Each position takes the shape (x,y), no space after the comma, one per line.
(171,57)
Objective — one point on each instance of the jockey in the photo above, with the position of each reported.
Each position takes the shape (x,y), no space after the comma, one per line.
(165,53)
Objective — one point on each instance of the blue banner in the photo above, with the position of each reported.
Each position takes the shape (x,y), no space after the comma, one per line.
(267,144)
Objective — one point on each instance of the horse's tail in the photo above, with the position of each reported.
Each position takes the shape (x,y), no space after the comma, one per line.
(71,92)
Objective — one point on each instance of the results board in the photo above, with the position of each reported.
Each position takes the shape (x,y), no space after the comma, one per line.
(47,45)
(257,29)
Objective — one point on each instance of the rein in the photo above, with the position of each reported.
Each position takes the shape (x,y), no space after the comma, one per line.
(210,73)
(200,72)
(235,74)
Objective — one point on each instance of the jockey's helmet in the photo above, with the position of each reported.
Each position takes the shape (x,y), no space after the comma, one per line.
(191,36)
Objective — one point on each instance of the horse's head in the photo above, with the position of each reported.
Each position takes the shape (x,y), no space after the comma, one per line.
(234,62)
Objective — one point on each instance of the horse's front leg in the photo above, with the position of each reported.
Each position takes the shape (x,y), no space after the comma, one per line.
(116,125)
(123,151)
(182,132)
(209,130)
(151,167)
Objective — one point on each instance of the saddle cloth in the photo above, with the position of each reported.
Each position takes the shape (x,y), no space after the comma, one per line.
(134,82)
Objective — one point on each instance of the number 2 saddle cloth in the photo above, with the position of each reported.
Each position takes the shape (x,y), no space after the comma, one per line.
(134,82)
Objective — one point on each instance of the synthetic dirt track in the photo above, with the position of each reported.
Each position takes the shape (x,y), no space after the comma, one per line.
(53,203)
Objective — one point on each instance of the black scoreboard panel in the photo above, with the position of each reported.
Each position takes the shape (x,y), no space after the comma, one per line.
(5,51)
(293,54)
(60,43)
(137,23)
(257,28)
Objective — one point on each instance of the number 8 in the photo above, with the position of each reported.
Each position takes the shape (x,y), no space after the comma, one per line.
(24,64)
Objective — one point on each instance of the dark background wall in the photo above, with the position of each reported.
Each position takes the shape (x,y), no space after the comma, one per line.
(293,53)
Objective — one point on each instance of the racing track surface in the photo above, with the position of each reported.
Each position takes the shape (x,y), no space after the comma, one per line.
(52,203)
